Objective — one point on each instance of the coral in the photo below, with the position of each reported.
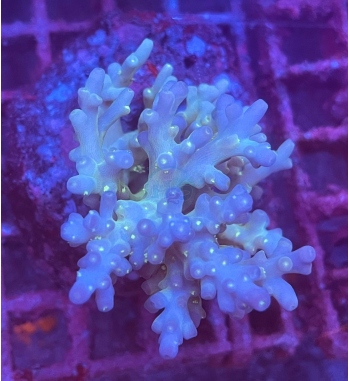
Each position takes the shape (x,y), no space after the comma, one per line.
(195,138)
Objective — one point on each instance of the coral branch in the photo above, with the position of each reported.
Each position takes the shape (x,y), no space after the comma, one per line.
(219,248)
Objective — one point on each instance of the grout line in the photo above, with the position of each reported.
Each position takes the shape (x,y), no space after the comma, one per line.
(285,340)
(324,134)
(9,95)
(338,274)
(218,323)
(42,24)
(79,331)
(36,299)
(330,318)
(238,25)
(242,340)
(203,18)
(20,29)
(287,321)
(328,205)
(318,68)
(6,360)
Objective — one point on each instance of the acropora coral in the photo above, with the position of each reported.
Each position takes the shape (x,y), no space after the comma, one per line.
(188,246)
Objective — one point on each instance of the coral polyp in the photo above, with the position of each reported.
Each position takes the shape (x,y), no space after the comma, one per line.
(202,149)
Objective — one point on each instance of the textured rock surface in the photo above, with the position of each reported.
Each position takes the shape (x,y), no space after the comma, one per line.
(255,42)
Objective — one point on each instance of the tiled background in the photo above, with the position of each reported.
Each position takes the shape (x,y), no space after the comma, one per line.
(294,54)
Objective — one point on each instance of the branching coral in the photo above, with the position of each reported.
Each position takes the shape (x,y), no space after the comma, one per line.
(198,137)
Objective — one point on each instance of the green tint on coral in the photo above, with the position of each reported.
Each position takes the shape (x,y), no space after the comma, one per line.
(198,138)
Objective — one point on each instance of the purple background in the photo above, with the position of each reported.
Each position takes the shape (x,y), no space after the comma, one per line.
(291,54)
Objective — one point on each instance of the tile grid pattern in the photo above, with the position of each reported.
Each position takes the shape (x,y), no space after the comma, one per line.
(236,337)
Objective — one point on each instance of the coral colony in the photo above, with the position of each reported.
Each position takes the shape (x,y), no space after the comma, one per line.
(189,230)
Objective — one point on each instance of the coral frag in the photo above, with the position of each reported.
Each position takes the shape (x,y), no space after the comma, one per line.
(189,230)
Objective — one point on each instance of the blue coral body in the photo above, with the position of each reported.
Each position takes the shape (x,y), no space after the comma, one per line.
(187,136)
